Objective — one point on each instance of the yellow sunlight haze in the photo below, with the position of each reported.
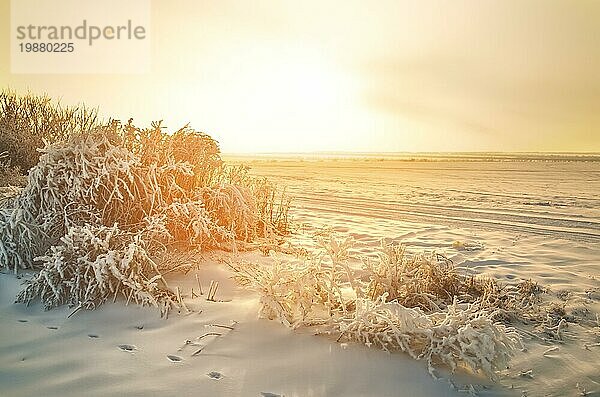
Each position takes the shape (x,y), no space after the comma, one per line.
(285,100)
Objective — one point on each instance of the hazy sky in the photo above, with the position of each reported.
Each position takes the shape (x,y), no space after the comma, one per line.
(264,76)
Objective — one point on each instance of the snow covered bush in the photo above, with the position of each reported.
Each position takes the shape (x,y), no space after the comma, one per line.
(86,179)
(456,337)
(94,263)
(190,224)
(234,207)
(102,203)
(393,303)
(429,281)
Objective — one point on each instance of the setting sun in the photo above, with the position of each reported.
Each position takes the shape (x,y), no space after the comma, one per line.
(270,97)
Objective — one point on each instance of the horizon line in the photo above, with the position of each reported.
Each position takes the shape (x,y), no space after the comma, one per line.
(343,152)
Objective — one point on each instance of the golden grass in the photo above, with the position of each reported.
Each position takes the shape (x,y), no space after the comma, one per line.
(28,122)
(10,175)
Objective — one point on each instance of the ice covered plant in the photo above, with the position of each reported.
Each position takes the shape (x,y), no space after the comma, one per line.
(270,204)
(272,207)
(125,195)
(429,281)
(233,207)
(92,264)
(86,179)
(456,337)
(190,224)
(329,293)
(315,291)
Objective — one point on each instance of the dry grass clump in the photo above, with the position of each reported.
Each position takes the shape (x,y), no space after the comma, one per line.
(10,175)
(234,207)
(271,204)
(427,281)
(417,303)
(272,207)
(455,337)
(197,150)
(245,206)
(432,282)
(99,204)
(190,225)
(383,306)
(28,122)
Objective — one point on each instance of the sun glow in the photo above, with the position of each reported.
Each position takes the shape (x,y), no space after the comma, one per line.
(277,98)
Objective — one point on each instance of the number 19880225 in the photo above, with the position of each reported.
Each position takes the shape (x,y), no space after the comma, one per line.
(46,47)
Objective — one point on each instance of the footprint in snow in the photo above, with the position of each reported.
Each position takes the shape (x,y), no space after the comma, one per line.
(127,348)
(174,359)
(214,375)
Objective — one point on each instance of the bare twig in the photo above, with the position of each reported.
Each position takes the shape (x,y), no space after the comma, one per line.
(199,284)
(221,326)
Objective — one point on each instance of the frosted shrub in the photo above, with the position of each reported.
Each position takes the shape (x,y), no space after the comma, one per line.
(326,292)
(92,264)
(456,337)
(234,207)
(83,180)
(23,237)
(103,202)
(272,208)
(269,204)
(27,122)
(191,224)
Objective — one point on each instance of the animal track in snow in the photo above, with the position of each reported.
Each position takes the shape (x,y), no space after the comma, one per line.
(128,348)
(174,359)
(214,375)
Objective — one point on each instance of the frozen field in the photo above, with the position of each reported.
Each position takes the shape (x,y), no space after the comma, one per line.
(542,213)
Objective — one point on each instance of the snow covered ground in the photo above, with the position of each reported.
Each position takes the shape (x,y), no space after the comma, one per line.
(511,219)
